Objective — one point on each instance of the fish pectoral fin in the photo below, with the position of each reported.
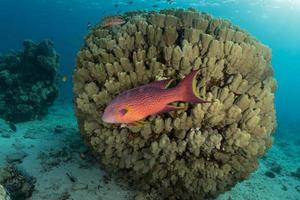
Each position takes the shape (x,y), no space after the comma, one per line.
(139,124)
(174,114)
(170,108)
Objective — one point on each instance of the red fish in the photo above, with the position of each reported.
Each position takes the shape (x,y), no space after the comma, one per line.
(154,98)
(112,21)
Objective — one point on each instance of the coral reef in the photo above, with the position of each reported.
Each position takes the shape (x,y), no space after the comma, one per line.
(28,81)
(196,153)
(17,182)
(3,194)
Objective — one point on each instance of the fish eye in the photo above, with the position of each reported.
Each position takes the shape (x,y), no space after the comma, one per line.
(123,111)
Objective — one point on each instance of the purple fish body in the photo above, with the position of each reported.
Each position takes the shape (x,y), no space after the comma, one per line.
(150,99)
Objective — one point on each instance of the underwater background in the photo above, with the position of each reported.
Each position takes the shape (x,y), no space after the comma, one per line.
(275,23)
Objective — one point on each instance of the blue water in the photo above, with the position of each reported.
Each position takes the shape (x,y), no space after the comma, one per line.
(273,22)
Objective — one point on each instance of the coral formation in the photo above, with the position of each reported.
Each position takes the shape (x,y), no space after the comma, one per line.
(18,184)
(28,81)
(201,151)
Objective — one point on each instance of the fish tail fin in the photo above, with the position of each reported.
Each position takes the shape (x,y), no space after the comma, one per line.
(188,90)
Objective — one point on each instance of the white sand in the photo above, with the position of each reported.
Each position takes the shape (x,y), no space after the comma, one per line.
(52,184)
(91,183)
(261,187)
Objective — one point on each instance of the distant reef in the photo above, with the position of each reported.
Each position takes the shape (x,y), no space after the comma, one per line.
(28,81)
(17,183)
(195,153)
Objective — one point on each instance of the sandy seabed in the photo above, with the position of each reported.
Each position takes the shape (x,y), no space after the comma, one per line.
(54,154)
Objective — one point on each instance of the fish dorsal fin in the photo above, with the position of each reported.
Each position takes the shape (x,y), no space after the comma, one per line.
(139,124)
(162,84)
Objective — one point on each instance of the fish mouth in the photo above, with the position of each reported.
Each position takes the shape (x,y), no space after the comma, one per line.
(107,118)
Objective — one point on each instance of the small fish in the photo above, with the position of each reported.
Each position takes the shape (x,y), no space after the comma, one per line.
(136,104)
(88,26)
(71,177)
(82,156)
(64,78)
(116,5)
(112,21)
(130,2)
(155,6)
(170,1)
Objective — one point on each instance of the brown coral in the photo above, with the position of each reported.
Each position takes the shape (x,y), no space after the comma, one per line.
(201,151)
